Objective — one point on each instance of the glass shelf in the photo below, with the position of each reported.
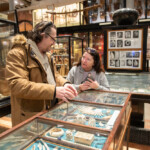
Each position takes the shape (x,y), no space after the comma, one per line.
(135,83)
(83,113)
(43,134)
(67,51)
(7,31)
(102,97)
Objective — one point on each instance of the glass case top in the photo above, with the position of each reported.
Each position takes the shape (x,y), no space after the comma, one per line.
(47,135)
(136,83)
(17,138)
(87,114)
(102,97)
(40,144)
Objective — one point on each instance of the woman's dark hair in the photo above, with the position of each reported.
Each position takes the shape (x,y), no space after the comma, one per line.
(42,27)
(97,61)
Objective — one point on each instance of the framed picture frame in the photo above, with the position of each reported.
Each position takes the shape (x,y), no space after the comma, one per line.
(125,39)
(125,49)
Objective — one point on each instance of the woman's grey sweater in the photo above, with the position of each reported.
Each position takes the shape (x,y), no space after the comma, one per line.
(77,75)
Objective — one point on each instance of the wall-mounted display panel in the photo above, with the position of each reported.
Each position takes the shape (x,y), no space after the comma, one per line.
(125,49)
(125,39)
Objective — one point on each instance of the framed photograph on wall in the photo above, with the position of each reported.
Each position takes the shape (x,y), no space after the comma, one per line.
(118,59)
(125,39)
(125,49)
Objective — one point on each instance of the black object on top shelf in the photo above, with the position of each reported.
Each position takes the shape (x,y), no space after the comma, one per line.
(125,16)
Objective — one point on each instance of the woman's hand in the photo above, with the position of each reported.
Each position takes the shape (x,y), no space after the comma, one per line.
(92,84)
(84,87)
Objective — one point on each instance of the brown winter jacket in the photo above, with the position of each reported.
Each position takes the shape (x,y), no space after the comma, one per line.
(27,79)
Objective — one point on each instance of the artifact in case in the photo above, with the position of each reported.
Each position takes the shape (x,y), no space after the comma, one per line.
(77,125)
(92,115)
(36,135)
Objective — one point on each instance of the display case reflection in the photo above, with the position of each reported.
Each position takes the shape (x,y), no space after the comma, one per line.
(6,33)
(86,114)
(130,82)
(45,135)
(111,6)
(139,5)
(67,51)
(97,14)
(102,97)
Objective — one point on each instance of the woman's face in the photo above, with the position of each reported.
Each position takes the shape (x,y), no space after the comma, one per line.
(87,61)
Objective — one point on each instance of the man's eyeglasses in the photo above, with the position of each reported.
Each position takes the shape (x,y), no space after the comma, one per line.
(90,50)
(54,39)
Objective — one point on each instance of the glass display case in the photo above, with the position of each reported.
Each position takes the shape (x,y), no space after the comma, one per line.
(139,5)
(113,5)
(97,14)
(50,135)
(138,84)
(103,97)
(129,82)
(148,8)
(92,115)
(67,51)
(7,31)
(74,125)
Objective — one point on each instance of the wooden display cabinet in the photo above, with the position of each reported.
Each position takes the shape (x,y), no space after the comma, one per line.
(67,51)
(50,129)
(7,30)
(139,5)
(138,84)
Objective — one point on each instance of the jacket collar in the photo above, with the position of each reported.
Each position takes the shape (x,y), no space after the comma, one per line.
(34,56)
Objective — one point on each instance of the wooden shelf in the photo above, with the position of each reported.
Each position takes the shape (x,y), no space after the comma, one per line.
(5,122)
(61,64)
(62,55)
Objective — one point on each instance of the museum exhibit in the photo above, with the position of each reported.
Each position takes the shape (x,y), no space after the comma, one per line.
(74,74)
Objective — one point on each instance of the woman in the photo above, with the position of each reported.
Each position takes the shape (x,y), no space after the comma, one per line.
(88,73)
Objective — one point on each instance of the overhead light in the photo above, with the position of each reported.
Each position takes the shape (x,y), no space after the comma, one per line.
(104,23)
(16,2)
(21,4)
(144,20)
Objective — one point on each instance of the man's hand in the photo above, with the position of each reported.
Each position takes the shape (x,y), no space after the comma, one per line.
(71,87)
(66,92)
